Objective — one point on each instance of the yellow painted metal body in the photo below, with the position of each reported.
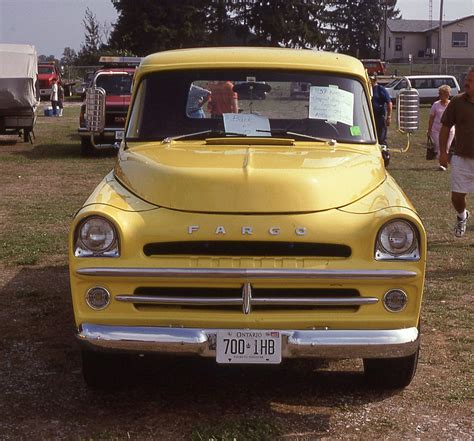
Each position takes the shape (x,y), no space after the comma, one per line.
(340,194)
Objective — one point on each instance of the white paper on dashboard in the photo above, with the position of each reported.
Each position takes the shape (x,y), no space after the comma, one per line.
(331,104)
(247,123)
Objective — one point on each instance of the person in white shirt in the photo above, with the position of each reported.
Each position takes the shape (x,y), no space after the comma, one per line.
(434,125)
(54,96)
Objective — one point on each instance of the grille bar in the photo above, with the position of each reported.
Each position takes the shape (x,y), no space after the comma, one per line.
(250,273)
(198,301)
(225,301)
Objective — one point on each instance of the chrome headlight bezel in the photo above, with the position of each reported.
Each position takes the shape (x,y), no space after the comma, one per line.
(398,239)
(83,247)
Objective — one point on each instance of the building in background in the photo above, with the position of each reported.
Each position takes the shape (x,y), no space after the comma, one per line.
(419,38)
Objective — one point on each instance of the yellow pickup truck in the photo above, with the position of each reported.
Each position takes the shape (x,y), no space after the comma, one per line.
(245,229)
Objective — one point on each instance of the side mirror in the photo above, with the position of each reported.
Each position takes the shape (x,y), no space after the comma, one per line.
(95,115)
(408,112)
(95,109)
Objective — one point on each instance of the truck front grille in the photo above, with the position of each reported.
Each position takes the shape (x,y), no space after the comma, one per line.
(247,298)
(247,248)
(115,116)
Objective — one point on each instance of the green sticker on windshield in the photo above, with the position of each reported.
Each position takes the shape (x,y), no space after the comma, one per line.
(355,131)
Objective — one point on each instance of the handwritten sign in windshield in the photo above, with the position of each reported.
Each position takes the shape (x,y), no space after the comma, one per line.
(331,104)
(247,123)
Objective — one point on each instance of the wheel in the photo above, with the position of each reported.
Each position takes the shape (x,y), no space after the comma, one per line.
(103,371)
(26,135)
(390,373)
(87,149)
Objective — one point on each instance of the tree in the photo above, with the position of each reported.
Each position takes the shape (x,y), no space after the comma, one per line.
(282,22)
(69,57)
(348,26)
(45,58)
(93,43)
(354,26)
(146,26)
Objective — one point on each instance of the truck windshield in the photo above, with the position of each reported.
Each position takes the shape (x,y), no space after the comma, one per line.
(45,69)
(250,102)
(115,84)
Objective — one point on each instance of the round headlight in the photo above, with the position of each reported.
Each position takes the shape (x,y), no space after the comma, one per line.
(397,237)
(97,235)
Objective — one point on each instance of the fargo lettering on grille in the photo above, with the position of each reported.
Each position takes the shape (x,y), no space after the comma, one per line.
(246,230)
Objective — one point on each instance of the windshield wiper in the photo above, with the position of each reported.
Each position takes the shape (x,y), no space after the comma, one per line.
(299,135)
(208,133)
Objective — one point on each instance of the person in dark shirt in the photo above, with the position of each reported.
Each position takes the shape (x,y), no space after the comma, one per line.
(460,114)
(382,105)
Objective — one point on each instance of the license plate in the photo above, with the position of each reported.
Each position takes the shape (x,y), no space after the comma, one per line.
(247,346)
(119,134)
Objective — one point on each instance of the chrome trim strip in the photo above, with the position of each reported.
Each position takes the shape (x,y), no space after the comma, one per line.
(179,300)
(295,343)
(308,301)
(246,273)
(106,129)
(328,301)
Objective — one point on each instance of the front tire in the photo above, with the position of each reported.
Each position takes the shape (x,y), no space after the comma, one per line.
(390,373)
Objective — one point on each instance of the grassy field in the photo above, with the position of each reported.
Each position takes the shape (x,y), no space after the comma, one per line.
(43,184)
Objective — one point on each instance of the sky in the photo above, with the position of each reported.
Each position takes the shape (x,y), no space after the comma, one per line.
(52,25)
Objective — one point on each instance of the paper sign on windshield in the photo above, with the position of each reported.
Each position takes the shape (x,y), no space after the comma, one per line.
(247,123)
(331,104)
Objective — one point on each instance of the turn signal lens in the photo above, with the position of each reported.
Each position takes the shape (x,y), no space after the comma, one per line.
(395,300)
(97,298)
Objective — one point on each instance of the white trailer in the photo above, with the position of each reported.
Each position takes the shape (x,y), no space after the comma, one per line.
(18,92)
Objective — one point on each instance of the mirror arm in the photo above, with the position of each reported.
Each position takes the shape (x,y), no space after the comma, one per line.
(115,145)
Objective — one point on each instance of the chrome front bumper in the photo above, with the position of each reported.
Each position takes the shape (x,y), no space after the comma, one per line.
(295,344)
(107,132)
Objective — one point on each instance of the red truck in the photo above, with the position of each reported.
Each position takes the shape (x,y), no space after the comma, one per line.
(46,72)
(115,79)
(374,66)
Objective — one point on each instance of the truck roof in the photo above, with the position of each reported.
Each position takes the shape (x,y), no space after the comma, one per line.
(115,69)
(265,58)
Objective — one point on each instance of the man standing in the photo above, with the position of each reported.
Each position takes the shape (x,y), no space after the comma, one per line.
(460,113)
(54,95)
(382,105)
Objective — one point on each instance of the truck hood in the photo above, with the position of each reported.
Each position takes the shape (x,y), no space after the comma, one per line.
(242,179)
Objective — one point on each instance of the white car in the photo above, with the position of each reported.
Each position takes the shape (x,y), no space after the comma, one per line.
(427,86)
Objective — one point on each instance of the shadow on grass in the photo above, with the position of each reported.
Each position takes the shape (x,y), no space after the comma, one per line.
(38,342)
(11,141)
(61,151)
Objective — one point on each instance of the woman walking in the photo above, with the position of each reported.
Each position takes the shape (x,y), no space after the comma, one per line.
(434,125)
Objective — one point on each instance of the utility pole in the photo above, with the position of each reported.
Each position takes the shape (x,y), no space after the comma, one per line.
(440,36)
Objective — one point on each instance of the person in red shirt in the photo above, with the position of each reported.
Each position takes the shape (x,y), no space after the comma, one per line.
(223,99)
